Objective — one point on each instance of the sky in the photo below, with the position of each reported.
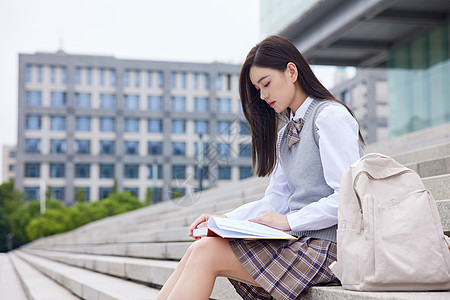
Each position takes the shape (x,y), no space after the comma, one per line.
(174,30)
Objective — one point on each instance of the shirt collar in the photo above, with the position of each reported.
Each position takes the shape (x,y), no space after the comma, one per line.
(300,113)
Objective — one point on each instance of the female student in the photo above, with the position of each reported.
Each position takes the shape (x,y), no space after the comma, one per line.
(305,159)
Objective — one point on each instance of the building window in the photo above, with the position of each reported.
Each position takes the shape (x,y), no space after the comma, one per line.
(137,79)
(196,85)
(34,98)
(160,79)
(201,104)
(219,82)
(126,78)
(83,100)
(107,147)
(57,146)
(183,80)
(205,172)
(33,170)
(131,125)
(201,127)
(58,99)
(245,150)
(224,149)
(179,126)
(12,154)
(33,122)
(178,103)
(52,74)
(108,101)
(149,78)
(89,76)
(11,168)
(82,146)
(173,80)
(245,172)
(106,170)
(131,147)
(158,171)
(228,82)
(179,148)
(244,129)
(133,190)
(83,124)
(57,192)
(224,172)
(112,77)
(206,81)
(205,149)
(57,170)
(33,145)
(57,123)
(32,193)
(179,171)
(104,192)
(131,171)
(107,124)
(131,102)
(102,76)
(84,191)
(82,170)
(154,126)
(154,103)
(223,105)
(224,127)
(154,148)
(63,75)
(39,73)
(77,75)
(28,71)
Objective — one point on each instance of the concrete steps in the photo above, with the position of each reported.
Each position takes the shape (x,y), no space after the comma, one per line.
(10,284)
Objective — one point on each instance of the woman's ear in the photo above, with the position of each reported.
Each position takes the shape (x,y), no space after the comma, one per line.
(292,71)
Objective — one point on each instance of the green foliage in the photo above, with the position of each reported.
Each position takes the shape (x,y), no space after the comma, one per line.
(115,186)
(80,197)
(176,194)
(118,203)
(53,221)
(148,196)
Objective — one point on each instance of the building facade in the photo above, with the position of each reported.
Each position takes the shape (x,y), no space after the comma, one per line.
(85,121)
(9,163)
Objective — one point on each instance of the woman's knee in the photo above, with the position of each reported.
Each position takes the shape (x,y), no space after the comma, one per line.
(207,250)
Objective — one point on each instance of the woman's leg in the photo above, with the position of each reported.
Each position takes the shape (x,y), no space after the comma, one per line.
(207,259)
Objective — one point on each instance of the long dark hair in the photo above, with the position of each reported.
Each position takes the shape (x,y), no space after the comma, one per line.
(274,52)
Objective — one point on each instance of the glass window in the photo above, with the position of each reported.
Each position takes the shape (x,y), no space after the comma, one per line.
(33,145)
(102,76)
(173,80)
(149,78)
(154,103)
(179,148)
(160,79)
(219,82)
(107,124)
(108,101)
(82,146)
(83,100)
(12,154)
(33,170)
(57,123)
(205,149)
(224,172)
(206,81)
(57,170)
(137,78)
(154,126)
(131,102)
(126,78)
(224,149)
(196,85)
(133,190)
(131,125)
(32,193)
(201,104)
(183,80)
(228,82)
(245,150)
(154,148)
(224,127)
(245,172)
(52,74)
(131,171)
(77,75)
(82,170)
(244,128)
(58,146)
(34,98)
(112,77)
(63,75)
(223,105)
(28,71)
(205,172)
(107,147)
(104,192)
(33,122)
(131,147)
(201,127)
(58,99)
(179,171)
(85,192)
(39,73)
(158,171)
(83,124)
(106,170)
(89,76)
(178,103)
(179,126)
(57,192)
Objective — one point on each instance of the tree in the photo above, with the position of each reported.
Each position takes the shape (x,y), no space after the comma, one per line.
(53,221)
(148,197)
(115,186)
(80,196)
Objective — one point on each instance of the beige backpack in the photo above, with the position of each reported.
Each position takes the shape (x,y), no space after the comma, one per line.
(389,234)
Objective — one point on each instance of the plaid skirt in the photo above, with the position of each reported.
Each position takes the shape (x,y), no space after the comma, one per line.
(283,268)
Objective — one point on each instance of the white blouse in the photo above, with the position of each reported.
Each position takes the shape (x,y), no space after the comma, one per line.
(339,148)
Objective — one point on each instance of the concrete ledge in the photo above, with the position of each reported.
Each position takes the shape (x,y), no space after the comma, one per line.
(439,186)
(10,283)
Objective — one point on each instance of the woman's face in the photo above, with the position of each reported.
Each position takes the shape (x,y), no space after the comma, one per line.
(279,89)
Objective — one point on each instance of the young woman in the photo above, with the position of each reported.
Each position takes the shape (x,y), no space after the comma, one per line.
(305,159)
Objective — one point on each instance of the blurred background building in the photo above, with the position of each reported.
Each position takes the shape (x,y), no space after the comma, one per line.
(9,163)
(85,121)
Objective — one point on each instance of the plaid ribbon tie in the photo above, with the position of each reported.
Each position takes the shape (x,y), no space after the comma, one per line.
(293,131)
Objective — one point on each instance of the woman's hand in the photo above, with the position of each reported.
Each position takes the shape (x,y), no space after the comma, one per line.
(274,220)
(202,221)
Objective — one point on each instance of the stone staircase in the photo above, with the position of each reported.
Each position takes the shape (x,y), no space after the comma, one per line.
(130,256)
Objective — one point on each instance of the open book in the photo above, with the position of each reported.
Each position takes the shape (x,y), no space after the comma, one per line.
(240,229)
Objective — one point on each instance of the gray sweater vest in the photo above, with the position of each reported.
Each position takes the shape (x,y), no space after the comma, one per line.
(303,170)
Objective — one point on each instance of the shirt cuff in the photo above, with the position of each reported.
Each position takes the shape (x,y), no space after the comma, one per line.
(294,221)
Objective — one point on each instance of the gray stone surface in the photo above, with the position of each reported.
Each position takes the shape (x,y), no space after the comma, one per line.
(444,213)
(439,186)
(10,284)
